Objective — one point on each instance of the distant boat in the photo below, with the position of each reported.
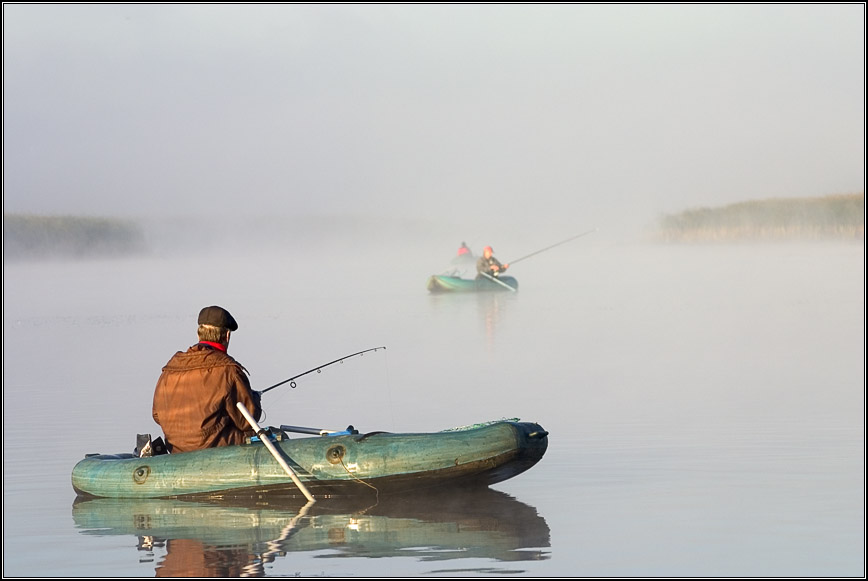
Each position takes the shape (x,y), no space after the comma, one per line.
(332,465)
(440,283)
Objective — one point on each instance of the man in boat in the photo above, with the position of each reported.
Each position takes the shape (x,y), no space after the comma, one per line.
(196,395)
(488,264)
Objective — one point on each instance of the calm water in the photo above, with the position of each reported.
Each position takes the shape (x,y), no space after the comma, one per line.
(705,406)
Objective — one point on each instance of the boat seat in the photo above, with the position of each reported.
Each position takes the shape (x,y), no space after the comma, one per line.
(146,447)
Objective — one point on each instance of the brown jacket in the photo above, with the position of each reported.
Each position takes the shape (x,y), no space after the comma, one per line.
(195,397)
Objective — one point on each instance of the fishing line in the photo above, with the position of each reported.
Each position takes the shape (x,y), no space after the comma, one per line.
(389,391)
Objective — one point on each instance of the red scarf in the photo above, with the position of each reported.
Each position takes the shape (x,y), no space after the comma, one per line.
(219,346)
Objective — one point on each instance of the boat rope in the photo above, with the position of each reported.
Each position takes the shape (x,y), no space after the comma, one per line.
(480,425)
(354,477)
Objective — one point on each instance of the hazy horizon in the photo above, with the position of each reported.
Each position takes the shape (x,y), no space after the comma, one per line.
(565,117)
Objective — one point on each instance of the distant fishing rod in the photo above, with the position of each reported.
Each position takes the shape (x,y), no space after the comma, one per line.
(317,369)
(511,262)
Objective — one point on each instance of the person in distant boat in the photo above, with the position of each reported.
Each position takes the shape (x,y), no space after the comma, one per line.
(197,392)
(463,250)
(488,264)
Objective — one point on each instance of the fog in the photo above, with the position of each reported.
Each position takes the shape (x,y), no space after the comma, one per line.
(308,167)
(705,404)
(528,116)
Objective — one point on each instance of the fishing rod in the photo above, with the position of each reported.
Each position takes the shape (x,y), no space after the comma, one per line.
(511,262)
(317,369)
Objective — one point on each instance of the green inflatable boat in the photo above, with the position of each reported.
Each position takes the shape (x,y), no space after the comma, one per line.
(332,465)
(438,283)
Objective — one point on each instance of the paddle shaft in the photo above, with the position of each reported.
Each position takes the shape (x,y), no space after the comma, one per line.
(317,369)
(494,279)
(511,262)
(271,448)
(318,431)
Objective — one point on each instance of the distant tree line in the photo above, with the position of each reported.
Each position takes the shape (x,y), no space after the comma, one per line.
(31,236)
(827,217)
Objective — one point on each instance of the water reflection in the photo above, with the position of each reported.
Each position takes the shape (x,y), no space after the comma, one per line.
(239,539)
(472,314)
(490,306)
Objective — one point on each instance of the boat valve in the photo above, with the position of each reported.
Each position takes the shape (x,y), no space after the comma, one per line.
(335,454)
(141,474)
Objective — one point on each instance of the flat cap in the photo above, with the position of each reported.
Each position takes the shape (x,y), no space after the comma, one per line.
(217,317)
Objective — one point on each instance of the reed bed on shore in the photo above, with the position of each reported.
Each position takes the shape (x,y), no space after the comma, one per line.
(33,236)
(833,217)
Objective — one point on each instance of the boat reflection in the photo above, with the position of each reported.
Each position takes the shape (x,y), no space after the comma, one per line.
(240,537)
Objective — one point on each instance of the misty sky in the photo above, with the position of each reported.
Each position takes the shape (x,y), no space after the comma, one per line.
(490,111)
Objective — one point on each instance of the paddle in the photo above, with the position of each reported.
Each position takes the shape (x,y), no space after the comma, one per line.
(271,448)
(494,279)
(511,262)
(319,431)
